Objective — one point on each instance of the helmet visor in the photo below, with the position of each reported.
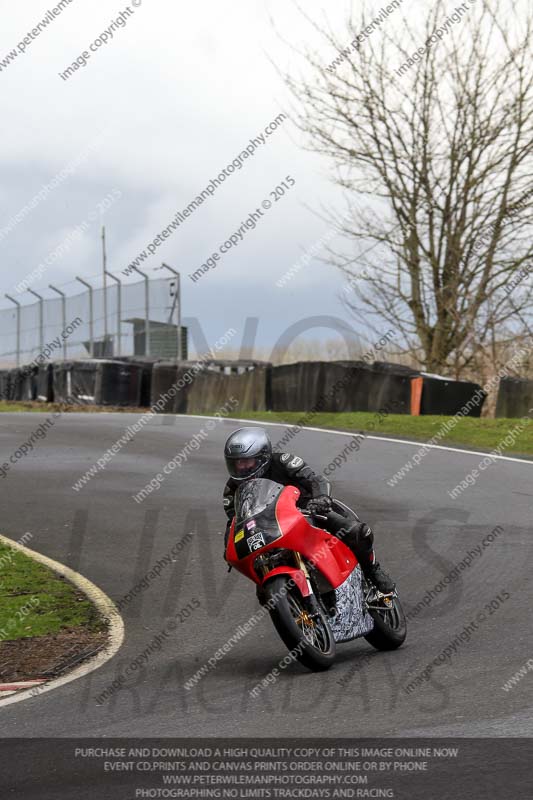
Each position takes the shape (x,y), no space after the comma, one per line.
(242,468)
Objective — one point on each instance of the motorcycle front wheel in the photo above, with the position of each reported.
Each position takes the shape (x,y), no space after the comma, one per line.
(307,635)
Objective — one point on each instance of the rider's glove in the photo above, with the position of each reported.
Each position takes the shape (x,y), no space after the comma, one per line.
(320,505)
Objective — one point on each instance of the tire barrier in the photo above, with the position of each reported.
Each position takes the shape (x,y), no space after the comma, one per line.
(45,383)
(4,384)
(101,382)
(447,397)
(210,390)
(19,383)
(147,369)
(298,387)
(515,397)
(389,389)
(166,376)
(28,383)
(198,391)
(399,369)
(339,386)
(75,381)
(118,383)
(14,384)
(344,387)
(306,386)
(147,366)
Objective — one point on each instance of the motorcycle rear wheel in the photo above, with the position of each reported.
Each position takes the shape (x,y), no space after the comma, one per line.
(309,639)
(390,626)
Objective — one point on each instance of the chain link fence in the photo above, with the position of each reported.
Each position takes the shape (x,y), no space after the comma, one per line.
(141,318)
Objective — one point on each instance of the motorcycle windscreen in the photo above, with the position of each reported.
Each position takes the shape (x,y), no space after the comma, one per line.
(255,516)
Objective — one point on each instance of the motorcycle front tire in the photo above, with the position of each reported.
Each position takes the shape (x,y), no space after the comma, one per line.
(283,601)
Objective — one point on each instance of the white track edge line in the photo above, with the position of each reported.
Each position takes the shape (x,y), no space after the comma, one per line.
(103,603)
(353,433)
(523,460)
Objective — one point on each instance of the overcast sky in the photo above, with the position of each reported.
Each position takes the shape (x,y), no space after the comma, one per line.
(179,91)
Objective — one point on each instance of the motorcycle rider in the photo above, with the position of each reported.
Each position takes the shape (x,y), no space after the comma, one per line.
(248,454)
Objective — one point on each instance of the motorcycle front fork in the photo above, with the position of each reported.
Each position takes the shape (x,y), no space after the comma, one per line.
(313,603)
(310,602)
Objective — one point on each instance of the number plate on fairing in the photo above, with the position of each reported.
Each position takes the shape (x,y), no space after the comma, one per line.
(249,541)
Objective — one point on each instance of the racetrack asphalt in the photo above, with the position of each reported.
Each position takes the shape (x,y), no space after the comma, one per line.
(421,533)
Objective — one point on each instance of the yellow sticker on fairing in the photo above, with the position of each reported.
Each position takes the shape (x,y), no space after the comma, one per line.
(238,536)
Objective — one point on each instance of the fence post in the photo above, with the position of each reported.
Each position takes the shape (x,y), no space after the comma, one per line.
(41,318)
(178,305)
(146,310)
(91,317)
(104,273)
(18,325)
(119,310)
(63,316)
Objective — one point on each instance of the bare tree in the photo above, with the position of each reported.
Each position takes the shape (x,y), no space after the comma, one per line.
(433,121)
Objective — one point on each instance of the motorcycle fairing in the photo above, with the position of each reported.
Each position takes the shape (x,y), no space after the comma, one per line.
(295,574)
(284,520)
(256,524)
(249,540)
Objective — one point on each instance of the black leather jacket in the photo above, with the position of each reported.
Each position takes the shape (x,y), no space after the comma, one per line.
(287,470)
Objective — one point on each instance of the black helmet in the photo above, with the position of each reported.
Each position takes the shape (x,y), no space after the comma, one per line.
(248,453)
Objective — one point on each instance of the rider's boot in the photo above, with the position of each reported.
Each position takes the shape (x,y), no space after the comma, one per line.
(360,539)
(378,577)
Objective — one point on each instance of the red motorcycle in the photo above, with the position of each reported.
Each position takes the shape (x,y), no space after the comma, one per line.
(308,579)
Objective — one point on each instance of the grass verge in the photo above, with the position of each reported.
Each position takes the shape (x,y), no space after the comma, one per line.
(482,433)
(35,601)
(43,408)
